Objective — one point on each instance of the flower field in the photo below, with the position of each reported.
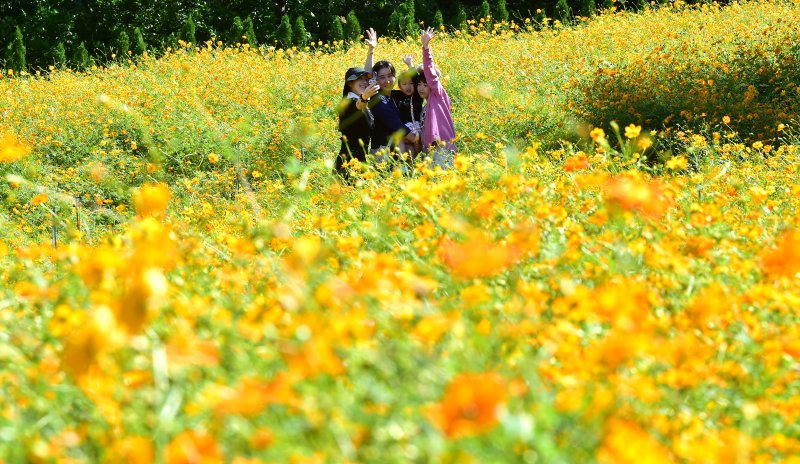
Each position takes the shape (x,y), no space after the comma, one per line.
(185,281)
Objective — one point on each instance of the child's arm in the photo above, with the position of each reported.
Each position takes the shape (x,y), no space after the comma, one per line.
(372,42)
(409,61)
(431,73)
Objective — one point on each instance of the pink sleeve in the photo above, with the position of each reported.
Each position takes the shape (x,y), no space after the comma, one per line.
(431,73)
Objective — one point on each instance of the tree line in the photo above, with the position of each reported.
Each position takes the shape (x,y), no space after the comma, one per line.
(77,33)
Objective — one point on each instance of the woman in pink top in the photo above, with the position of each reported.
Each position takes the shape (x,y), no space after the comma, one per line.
(438,131)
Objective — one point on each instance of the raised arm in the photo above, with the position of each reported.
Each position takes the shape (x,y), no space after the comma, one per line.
(429,68)
(372,42)
(409,61)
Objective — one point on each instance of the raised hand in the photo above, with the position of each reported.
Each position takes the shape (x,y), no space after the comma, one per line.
(370,91)
(409,60)
(372,38)
(427,35)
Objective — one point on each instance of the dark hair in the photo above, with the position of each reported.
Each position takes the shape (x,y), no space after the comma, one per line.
(383,64)
(409,73)
(419,76)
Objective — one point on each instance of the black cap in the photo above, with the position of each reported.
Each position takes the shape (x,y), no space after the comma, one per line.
(356,73)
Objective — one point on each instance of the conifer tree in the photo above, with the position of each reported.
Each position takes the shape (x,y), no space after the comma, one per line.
(299,32)
(15,54)
(60,56)
(486,11)
(608,4)
(284,35)
(81,60)
(562,12)
(438,20)
(250,32)
(588,8)
(501,12)
(236,31)
(139,47)
(188,31)
(352,30)
(122,44)
(409,25)
(461,19)
(337,33)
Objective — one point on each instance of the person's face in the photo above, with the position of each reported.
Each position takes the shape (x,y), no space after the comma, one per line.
(423,90)
(386,80)
(359,85)
(407,87)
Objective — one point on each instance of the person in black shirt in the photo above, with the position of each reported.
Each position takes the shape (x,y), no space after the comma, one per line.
(356,121)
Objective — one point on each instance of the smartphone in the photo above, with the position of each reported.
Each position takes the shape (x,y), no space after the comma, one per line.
(373,81)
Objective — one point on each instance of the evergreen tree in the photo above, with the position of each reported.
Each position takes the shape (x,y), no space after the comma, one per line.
(236,31)
(250,32)
(337,33)
(562,12)
(438,20)
(461,19)
(588,8)
(486,11)
(188,31)
(60,56)
(409,23)
(501,12)
(15,54)
(608,4)
(352,29)
(81,60)
(284,35)
(641,5)
(122,44)
(299,32)
(139,47)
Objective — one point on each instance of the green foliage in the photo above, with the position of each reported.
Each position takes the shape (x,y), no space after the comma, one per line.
(59,56)
(563,12)
(588,8)
(337,33)
(236,31)
(139,46)
(250,32)
(81,59)
(438,20)
(352,29)
(284,34)
(122,44)
(486,11)
(461,19)
(501,12)
(15,53)
(402,22)
(188,32)
(299,33)
(608,4)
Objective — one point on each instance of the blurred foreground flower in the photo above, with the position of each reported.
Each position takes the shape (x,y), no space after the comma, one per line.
(151,199)
(11,149)
(470,405)
(626,442)
(478,256)
(637,195)
(784,258)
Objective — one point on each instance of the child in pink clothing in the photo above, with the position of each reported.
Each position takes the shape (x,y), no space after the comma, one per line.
(438,130)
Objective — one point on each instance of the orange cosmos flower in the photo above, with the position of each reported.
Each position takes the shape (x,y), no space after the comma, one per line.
(478,256)
(470,404)
(576,162)
(39,199)
(11,149)
(193,447)
(636,195)
(151,199)
(784,258)
(625,442)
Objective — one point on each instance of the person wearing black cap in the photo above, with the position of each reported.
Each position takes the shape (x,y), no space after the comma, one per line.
(355,118)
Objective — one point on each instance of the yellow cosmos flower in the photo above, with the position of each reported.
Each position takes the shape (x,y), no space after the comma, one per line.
(11,149)
(632,131)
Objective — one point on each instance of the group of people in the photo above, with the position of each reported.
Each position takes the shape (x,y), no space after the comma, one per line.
(395,124)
